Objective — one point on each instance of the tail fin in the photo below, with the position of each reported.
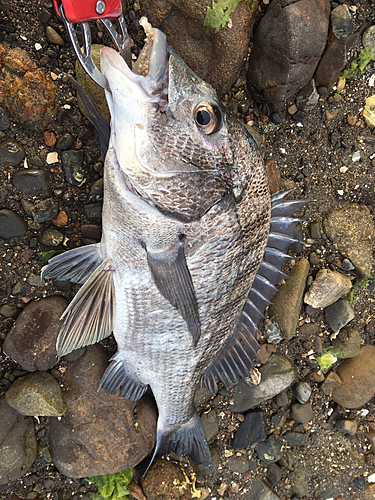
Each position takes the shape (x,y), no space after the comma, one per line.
(189,438)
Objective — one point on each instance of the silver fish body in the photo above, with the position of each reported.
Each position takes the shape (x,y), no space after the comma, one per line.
(186,219)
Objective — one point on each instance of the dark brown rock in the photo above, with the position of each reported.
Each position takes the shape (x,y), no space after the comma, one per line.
(18,445)
(28,94)
(352,232)
(358,379)
(332,380)
(165,481)
(32,340)
(99,433)
(288,44)
(274,176)
(215,57)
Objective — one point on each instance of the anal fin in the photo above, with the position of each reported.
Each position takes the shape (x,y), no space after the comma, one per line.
(172,277)
(89,317)
(74,265)
(117,377)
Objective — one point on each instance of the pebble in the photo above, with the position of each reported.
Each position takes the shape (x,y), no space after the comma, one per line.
(51,237)
(301,413)
(91,231)
(61,220)
(250,431)
(359,482)
(342,24)
(18,444)
(65,142)
(368,38)
(96,190)
(296,438)
(11,153)
(270,450)
(165,480)
(327,288)
(210,425)
(292,109)
(346,426)
(282,399)
(328,493)
(339,314)
(36,394)
(79,446)
(72,161)
(274,473)
(348,341)
(260,491)
(35,280)
(298,235)
(357,379)
(265,352)
(36,182)
(300,486)
(45,210)
(286,304)
(315,230)
(347,265)
(4,120)
(275,118)
(11,224)
(314,259)
(93,212)
(8,311)
(238,464)
(276,375)
(303,392)
(53,37)
(309,329)
(49,138)
(352,232)
(331,381)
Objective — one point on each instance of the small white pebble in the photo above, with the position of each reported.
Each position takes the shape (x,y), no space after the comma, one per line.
(343,170)
(299,124)
(283,150)
(371,81)
(340,192)
(356,156)
(23,37)
(53,75)
(38,46)
(67,106)
(52,158)
(371,479)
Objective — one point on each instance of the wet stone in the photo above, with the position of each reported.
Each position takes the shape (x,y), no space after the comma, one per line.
(327,288)
(347,426)
(270,450)
(309,329)
(274,176)
(314,259)
(11,224)
(282,399)
(51,237)
(250,431)
(359,482)
(30,181)
(303,392)
(45,210)
(260,491)
(11,153)
(301,413)
(4,120)
(339,314)
(331,381)
(348,341)
(61,220)
(342,24)
(96,190)
(72,161)
(93,212)
(276,375)
(296,438)
(35,280)
(31,341)
(91,231)
(273,473)
(238,464)
(8,311)
(163,481)
(65,142)
(210,425)
(36,394)
(53,37)
(18,445)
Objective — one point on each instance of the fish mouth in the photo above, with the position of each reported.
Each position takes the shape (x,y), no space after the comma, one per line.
(150,71)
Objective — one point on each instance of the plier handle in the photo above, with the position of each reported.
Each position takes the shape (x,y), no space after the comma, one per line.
(74,12)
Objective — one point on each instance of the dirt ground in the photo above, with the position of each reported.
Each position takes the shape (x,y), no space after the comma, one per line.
(309,162)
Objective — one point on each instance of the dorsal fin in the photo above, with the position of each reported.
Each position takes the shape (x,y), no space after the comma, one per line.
(239,352)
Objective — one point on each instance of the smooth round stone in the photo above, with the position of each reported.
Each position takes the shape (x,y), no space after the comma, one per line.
(4,120)
(53,37)
(91,231)
(238,464)
(64,142)
(275,118)
(8,311)
(270,450)
(51,237)
(301,413)
(32,182)
(11,224)
(11,153)
(93,212)
(303,392)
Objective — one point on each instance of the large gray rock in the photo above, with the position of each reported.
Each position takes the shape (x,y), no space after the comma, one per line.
(288,44)
(352,232)
(31,341)
(286,304)
(277,374)
(327,287)
(11,224)
(215,57)
(339,314)
(18,445)
(99,433)
(36,394)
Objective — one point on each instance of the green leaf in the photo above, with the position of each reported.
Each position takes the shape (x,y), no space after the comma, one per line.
(364,58)
(218,14)
(45,256)
(111,486)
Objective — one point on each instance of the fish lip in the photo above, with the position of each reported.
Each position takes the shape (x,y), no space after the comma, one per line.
(153,84)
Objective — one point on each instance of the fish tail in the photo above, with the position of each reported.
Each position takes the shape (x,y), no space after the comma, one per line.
(188,439)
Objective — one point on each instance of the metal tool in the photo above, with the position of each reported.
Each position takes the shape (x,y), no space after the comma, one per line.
(74,12)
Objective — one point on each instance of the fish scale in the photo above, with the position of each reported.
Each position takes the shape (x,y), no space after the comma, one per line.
(183,272)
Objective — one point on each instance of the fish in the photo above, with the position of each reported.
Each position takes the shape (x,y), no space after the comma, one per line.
(192,245)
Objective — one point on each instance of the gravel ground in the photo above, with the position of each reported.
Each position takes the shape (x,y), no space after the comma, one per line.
(311,163)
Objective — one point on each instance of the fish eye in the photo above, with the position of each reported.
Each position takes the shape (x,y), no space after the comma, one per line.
(207,117)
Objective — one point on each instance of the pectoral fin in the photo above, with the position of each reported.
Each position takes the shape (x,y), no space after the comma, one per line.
(89,317)
(173,280)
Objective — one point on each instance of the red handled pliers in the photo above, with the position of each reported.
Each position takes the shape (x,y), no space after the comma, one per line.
(81,12)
